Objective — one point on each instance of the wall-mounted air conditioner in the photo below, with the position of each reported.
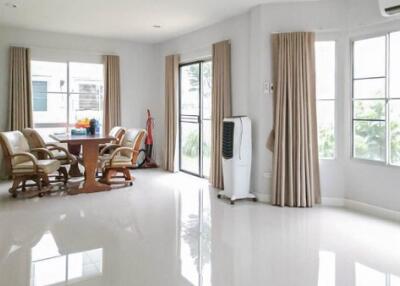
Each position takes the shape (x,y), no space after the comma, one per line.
(236,158)
(389,7)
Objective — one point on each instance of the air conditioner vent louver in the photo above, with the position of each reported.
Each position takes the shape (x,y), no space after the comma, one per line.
(227,139)
(389,8)
(393,10)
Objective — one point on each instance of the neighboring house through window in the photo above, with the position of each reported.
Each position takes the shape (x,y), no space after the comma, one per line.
(39,91)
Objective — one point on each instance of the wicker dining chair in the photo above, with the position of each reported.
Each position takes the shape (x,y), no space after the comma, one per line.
(122,157)
(24,165)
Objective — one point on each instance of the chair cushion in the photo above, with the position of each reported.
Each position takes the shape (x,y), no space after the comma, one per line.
(61,156)
(45,166)
(119,161)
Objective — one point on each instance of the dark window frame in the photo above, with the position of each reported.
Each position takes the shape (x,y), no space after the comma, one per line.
(194,119)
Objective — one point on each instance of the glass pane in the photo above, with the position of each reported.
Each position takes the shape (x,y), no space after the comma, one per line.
(326,129)
(394,64)
(190,89)
(369,109)
(394,132)
(39,95)
(54,118)
(87,92)
(325,69)
(190,147)
(207,85)
(369,140)
(369,88)
(54,74)
(206,147)
(370,57)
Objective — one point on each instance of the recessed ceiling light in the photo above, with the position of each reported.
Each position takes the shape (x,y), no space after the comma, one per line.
(11,5)
(156,26)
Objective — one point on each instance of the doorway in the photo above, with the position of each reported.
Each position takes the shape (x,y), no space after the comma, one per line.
(195,86)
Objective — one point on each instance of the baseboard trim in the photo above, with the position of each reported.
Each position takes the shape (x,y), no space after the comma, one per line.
(333,202)
(372,210)
(262,197)
(349,204)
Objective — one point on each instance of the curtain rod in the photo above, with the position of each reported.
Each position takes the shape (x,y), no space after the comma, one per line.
(94,53)
(312,30)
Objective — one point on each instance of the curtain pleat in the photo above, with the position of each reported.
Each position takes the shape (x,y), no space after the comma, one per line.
(294,141)
(20,92)
(171,110)
(112,93)
(221,107)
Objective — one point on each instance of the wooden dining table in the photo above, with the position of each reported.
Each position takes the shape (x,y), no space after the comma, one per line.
(90,151)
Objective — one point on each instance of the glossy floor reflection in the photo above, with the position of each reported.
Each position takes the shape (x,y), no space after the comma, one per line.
(169,229)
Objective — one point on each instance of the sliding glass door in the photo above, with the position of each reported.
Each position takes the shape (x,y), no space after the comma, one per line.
(195,118)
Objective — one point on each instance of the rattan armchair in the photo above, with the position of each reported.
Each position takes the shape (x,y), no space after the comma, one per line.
(118,133)
(24,165)
(53,151)
(121,157)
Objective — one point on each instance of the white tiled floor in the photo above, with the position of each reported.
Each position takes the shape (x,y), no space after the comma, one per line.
(171,230)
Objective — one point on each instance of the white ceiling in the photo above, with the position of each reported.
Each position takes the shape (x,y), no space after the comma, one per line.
(123,19)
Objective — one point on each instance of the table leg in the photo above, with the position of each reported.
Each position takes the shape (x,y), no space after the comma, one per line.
(74,171)
(90,156)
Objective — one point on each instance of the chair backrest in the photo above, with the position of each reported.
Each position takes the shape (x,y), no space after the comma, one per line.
(14,142)
(34,138)
(117,132)
(133,139)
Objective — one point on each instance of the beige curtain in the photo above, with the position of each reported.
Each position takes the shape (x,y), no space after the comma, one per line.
(221,107)
(171,110)
(112,93)
(294,139)
(20,93)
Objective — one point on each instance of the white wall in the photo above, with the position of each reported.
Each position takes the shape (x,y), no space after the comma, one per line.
(249,33)
(139,70)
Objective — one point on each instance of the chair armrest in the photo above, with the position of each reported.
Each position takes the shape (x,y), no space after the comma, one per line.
(118,150)
(109,147)
(29,156)
(52,147)
(43,151)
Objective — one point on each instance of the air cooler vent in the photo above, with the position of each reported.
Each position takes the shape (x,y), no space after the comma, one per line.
(227,140)
(392,10)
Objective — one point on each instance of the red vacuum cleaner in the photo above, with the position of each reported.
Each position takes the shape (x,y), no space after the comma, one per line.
(148,161)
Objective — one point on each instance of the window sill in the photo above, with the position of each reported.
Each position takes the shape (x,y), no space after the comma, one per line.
(374,163)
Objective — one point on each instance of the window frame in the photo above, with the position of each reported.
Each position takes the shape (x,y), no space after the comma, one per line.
(334,100)
(67,125)
(387,160)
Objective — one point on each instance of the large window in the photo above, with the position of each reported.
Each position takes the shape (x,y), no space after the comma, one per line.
(64,93)
(325,90)
(376,99)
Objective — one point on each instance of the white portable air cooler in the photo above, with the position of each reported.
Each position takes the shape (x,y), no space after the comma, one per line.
(236,158)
